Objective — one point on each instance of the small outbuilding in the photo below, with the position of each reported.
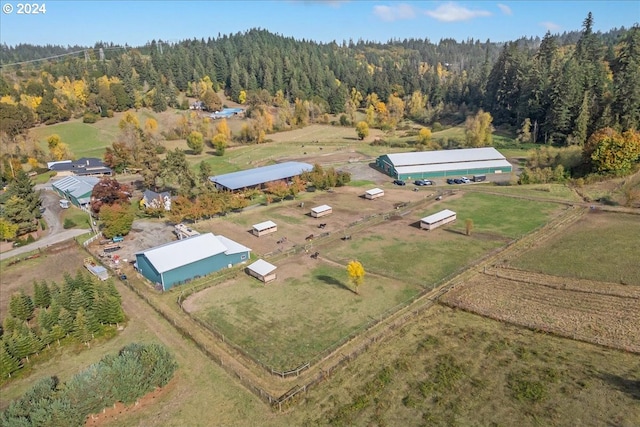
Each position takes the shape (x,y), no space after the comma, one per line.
(319,211)
(437,219)
(263,228)
(374,193)
(262,270)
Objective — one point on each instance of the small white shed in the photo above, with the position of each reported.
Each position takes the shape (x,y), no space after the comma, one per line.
(319,211)
(437,219)
(263,228)
(262,270)
(374,193)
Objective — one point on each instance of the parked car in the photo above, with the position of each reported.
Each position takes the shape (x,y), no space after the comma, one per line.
(458,181)
(117,239)
(423,182)
(465,180)
(399,182)
(451,181)
(479,178)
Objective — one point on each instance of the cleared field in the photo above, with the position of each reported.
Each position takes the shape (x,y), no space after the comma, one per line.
(290,321)
(609,320)
(559,192)
(601,246)
(503,216)
(455,368)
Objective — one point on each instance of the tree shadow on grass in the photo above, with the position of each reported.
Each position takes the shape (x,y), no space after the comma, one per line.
(628,386)
(335,282)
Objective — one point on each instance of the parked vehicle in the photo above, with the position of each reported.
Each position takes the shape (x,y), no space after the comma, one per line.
(479,178)
(117,239)
(458,181)
(399,182)
(465,180)
(64,203)
(423,182)
(451,181)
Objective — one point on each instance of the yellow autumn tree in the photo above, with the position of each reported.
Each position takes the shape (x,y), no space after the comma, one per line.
(355,270)
(129,120)
(223,128)
(151,125)
(58,150)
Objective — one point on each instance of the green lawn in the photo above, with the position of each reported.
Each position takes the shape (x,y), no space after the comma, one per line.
(601,246)
(560,192)
(79,217)
(503,216)
(287,323)
(84,140)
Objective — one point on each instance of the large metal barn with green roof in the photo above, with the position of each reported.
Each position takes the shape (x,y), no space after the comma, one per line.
(444,163)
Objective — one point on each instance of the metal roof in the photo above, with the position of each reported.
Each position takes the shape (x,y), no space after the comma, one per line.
(438,216)
(233,247)
(441,167)
(172,255)
(321,208)
(264,225)
(257,176)
(76,186)
(374,191)
(445,156)
(262,267)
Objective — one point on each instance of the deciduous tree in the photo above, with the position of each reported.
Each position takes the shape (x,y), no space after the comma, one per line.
(356,272)
(116,219)
(108,191)
(195,141)
(362,129)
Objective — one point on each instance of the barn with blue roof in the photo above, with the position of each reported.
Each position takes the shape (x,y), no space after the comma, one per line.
(178,262)
(257,177)
(443,163)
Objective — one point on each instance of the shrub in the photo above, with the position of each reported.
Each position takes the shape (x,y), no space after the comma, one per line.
(89,118)
(69,223)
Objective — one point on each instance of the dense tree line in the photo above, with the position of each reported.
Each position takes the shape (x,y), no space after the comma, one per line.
(80,308)
(135,371)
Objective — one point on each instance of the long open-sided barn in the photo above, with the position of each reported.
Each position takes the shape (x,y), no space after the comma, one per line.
(257,177)
(374,193)
(434,164)
(266,227)
(438,219)
(180,261)
(320,211)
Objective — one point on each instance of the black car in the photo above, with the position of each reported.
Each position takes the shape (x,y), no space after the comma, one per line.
(399,182)
(458,181)
(423,182)
(451,181)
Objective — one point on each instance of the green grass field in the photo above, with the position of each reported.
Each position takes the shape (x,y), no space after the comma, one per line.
(287,323)
(601,246)
(559,192)
(503,216)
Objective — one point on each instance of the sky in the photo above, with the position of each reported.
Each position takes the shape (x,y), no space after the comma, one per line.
(137,22)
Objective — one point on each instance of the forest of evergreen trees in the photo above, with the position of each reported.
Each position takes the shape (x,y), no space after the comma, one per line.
(559,90)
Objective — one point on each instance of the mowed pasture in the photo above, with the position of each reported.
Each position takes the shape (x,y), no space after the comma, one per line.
(311,306)
(600,246)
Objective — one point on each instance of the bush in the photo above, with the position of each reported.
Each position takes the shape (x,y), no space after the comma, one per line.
(69,223)
(437,127)
(89,118)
